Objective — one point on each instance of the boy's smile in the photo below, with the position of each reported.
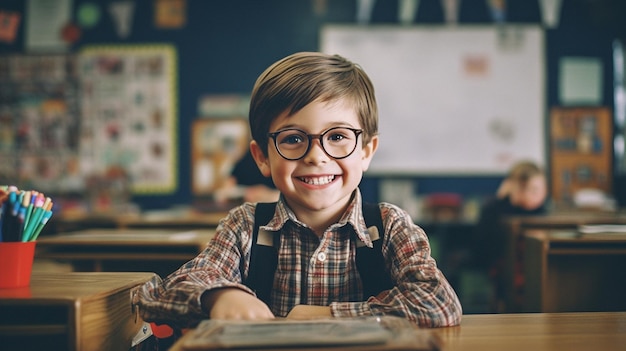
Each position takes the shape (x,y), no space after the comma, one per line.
(318,180)
(317,187)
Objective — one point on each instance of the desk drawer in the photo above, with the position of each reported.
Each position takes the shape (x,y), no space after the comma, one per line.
(31,327)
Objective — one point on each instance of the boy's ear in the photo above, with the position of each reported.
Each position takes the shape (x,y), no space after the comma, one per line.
(368,152)
(259,157)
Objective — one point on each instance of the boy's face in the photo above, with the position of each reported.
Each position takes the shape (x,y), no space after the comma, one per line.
(316,183)
(531,194)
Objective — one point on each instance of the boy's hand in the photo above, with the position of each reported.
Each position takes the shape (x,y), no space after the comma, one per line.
(233,303)
(309,312)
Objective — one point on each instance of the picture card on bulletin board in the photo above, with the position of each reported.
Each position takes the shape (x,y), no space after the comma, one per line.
(452,99)
(217,145)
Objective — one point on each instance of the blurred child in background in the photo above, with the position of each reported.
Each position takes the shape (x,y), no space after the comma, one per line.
(522,192)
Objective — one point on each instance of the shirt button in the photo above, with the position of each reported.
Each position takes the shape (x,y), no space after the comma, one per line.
(321,256)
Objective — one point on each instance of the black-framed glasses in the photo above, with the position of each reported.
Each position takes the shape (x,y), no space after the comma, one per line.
(338,142)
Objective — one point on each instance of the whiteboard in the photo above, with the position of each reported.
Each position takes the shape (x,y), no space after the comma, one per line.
(452,99)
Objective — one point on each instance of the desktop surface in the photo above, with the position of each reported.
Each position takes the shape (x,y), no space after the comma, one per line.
(537,332)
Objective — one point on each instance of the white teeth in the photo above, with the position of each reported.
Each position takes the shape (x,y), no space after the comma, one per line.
(319,180)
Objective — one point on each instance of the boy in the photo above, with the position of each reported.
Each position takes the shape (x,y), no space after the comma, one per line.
(314,124)
(524,191)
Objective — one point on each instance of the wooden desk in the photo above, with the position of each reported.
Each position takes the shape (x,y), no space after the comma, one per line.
(123,250)
(562,220)
(566,272)
(537,332)
(70,311)
(178,220)
(514,228)
(188,220)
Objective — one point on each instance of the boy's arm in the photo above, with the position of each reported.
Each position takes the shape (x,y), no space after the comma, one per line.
(422,294)
(177,300)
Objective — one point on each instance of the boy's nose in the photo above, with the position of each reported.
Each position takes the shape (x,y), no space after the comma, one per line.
(316,153)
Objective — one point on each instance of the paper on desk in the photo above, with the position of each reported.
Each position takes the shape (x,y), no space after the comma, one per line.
(373,333)
(602,228)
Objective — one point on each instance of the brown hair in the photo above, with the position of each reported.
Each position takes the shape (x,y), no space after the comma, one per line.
(301,78)
(522,171)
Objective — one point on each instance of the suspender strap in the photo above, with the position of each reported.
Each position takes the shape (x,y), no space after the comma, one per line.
(370,262)
(264,258)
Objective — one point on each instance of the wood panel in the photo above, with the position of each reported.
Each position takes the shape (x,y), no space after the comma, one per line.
(569,272)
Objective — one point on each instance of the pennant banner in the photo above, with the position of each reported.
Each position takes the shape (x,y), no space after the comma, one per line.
(550,12)
(407,11)
(9,22)
(320,7)
(122,14)
(498,10)
(451,11)
(364,11)
(170,14)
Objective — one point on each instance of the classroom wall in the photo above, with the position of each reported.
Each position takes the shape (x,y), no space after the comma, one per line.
(226,44)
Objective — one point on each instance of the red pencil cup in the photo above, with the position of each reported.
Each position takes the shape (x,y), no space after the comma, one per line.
(16,263)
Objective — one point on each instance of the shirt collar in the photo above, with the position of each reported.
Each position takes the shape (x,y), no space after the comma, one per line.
(353,216)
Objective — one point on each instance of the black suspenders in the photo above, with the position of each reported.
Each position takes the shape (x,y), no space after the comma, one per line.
(264,258)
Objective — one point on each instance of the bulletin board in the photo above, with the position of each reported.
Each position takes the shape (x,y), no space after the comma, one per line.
(129,105)
(452,99)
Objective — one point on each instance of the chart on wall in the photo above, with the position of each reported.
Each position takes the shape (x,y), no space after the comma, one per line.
(39,118)
(129,120)
(452,99)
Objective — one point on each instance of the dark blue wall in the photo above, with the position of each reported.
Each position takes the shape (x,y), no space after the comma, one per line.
(226,44)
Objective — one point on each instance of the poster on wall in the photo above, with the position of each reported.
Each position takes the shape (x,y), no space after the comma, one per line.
(128,109)
(217,145)
(38,122)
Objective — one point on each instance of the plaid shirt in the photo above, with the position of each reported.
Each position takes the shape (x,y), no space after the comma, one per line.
(311,270)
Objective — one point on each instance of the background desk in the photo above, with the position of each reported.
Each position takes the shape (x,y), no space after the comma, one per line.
(70,311)
(514,228)
(537,332)
(567,272)
(515,225)
(179,220)
(123,250)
